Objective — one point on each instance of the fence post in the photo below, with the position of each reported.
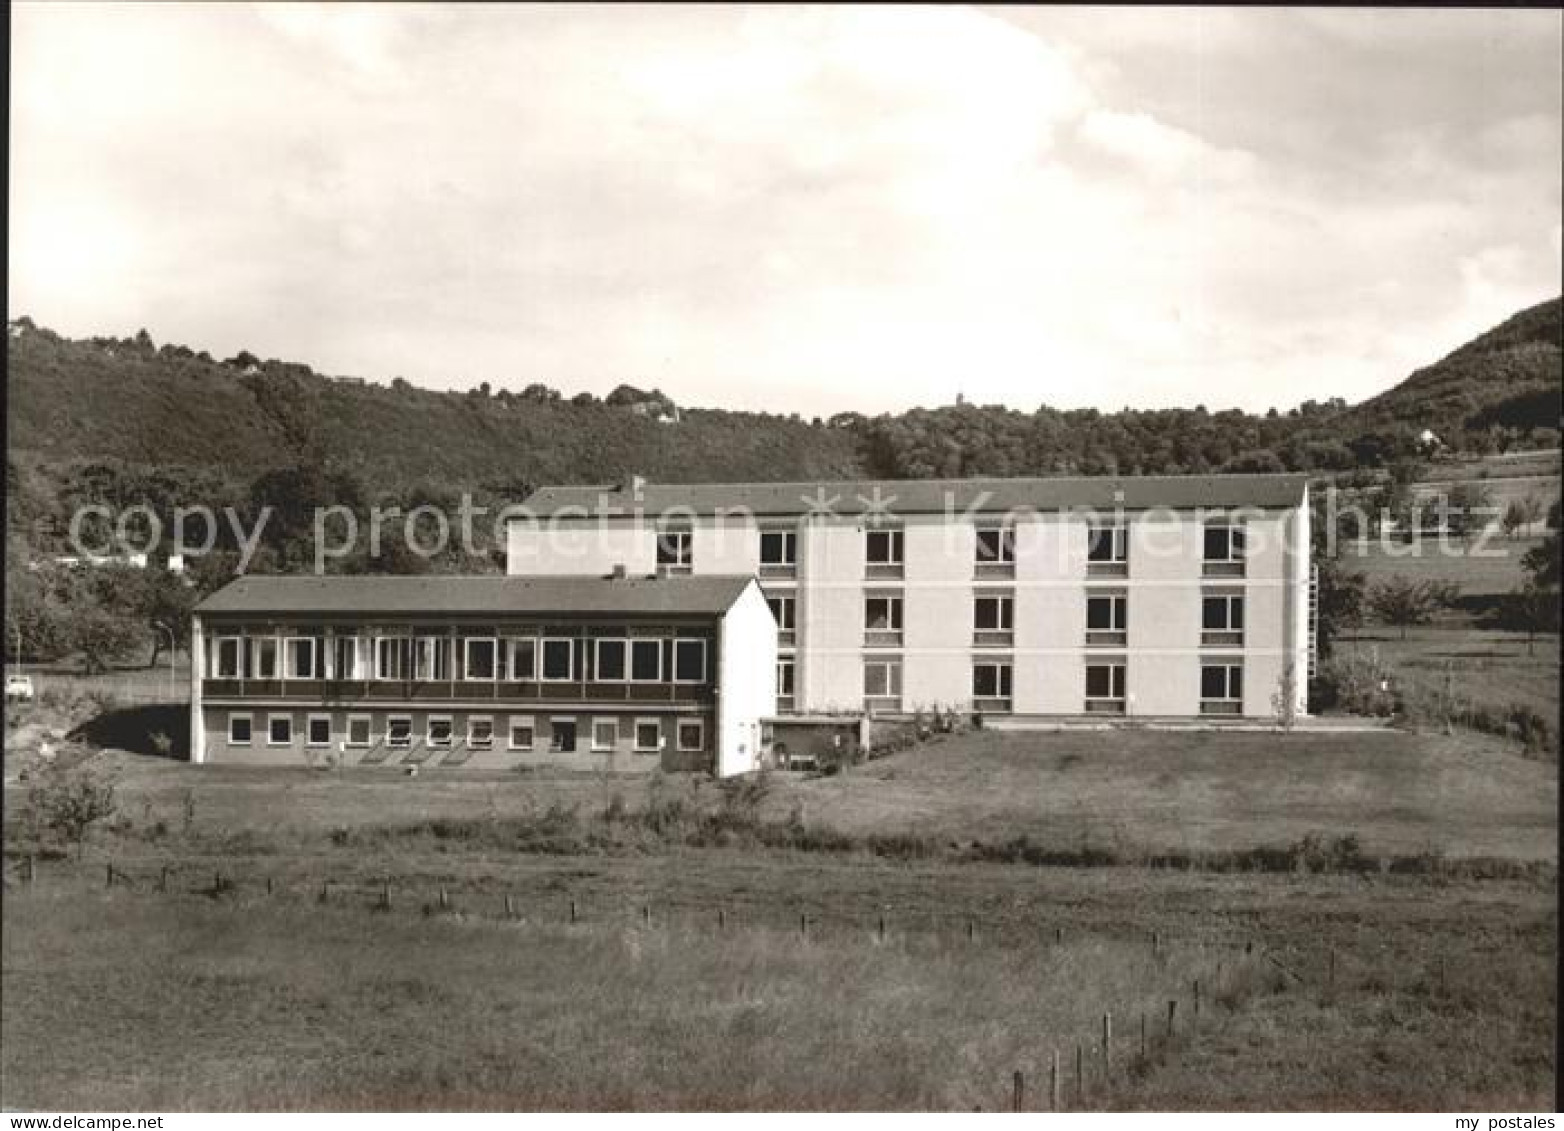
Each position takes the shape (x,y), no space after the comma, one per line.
(1058,935)
(445,899)
(110,882)
(1196,1017)
(1330,976)
(268,885)
(572,911)
(971,931)
(325,890)
(1080,1076)
(385,895)
(1143,1034)
(803,925)
(1156,943)
(1020,1090)
(1107,1043)
(1172,1008)
(1053,1081)
(32,870)
(646,915)
(162,878)
(722,918)
(510,909)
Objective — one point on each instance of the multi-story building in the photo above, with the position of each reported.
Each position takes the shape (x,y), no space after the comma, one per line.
(1154,597)
(483,671)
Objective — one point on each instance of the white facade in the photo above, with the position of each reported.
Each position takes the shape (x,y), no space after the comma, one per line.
(933,655)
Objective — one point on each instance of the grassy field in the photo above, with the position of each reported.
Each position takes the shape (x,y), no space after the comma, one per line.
(128,1000)
(1130,792)
(1483,570)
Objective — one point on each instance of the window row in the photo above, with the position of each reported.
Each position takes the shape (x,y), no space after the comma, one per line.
(439,733)
(993,618)
(1221,685)
(1107,548)
(441,658)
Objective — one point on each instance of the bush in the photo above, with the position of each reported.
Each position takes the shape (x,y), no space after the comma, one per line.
(66,803)
(162,743)
(1357,683)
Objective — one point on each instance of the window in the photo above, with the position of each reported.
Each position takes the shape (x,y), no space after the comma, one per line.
(778,551)
(318,730)
(399,731)
(239,730)
(689,661)
(434,658)
(646,661)
(300,654)
(648,736)
(882,680)
(229,650)
(562,735)
(345,652)
(993,617)
(674,551)
(394,657)
(358,730)
(522,732)
(264,653)
(559,660)
(1106,618)
(523,660)
(996,545)
(610,661)
(480,732)
(480,660)
(605,734)
(1222,619)
(883,552)
(439,730)
(882,620)
(786,673)
(1221,689)
(991,681)
(1107,544)
(1105,688)
(692,734)
(1107,551)
(784,610)
(1224,551)
(279,730)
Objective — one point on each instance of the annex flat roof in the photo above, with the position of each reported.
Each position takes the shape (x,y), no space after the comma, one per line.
(497,596)
(887,498)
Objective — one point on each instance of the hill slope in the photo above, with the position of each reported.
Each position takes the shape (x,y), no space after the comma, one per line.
(1509,376)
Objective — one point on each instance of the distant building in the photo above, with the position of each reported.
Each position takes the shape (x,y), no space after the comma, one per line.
(484,672)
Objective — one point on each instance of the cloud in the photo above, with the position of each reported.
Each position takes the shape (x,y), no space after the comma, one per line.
(789,207)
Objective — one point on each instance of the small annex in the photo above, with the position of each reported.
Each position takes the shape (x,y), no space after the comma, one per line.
(484,672)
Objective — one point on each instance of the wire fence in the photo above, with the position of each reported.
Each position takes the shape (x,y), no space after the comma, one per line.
(1084,1075)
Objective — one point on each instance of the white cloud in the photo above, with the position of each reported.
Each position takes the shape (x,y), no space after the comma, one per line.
(808,208)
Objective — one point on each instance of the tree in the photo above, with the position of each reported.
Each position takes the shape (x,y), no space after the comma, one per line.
(1402,601)
(1467,507)
(1339,597)
(1531,510)
(68,802)
(1260,460)
(1513,519)
(1542,562)
(101,637)
(1537,607)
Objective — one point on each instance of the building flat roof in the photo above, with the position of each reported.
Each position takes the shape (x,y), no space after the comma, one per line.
(497,596)
(890,497)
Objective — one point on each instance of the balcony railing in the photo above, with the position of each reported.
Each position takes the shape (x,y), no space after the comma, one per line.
(1233,568)
(993,571)
(882,637)
(1222,638)
(992,704)
(993,637)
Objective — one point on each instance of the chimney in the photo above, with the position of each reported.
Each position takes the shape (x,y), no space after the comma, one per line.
(619,572)
(635,485)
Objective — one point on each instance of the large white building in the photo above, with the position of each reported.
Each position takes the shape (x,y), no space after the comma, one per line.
(1149,597)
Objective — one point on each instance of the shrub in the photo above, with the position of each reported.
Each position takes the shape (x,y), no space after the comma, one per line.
(162,743)
(68,802)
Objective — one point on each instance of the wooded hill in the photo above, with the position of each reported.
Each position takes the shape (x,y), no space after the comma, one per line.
(107,408)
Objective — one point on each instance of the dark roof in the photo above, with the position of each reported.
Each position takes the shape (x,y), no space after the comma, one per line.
(476,595)
(934,496)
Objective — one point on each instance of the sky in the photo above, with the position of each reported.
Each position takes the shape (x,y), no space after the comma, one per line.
(794,209)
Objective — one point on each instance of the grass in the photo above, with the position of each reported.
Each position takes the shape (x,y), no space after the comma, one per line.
(1470,665)
(1482,571)
(120,1000)
(285,1006)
